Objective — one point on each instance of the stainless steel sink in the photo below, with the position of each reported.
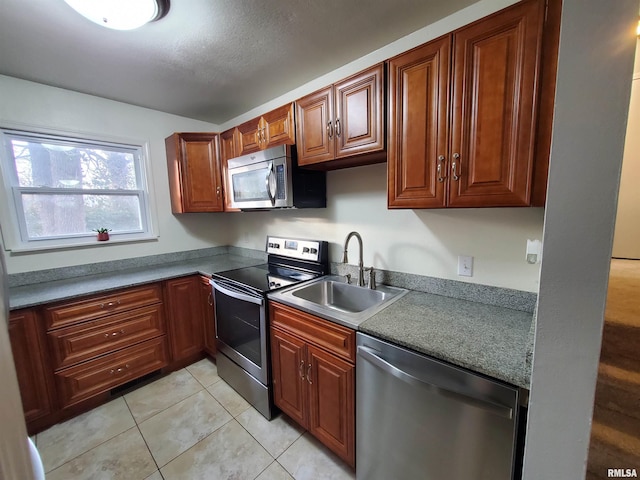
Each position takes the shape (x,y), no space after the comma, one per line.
(332,298)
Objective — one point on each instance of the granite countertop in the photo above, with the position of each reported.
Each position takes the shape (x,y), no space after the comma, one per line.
(491,340)
(41,293)
(484,338)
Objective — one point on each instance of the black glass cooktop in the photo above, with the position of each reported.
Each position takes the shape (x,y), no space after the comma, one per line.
(265,277)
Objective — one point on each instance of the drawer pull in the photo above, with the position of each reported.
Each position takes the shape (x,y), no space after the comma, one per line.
(119,369)
(309,375)
(301,369)
(110,304)
(114,334)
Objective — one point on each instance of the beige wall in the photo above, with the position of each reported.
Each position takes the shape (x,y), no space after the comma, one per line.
(27,104)
(626,240)
(425,242)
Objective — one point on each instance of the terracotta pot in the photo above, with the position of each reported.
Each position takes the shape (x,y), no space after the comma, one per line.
(102,237)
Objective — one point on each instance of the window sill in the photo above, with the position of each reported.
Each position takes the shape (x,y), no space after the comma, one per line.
(78,243)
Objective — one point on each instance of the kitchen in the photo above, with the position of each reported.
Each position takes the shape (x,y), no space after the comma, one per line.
(357,201)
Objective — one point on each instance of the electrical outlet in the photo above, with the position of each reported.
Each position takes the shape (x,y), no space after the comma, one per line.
(465,266)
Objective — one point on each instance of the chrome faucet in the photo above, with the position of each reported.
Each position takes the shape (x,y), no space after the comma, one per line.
(345,258)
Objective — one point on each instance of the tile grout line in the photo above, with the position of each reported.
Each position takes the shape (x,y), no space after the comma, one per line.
(143,439)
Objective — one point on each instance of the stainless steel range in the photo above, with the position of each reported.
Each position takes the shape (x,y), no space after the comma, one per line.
(242,324)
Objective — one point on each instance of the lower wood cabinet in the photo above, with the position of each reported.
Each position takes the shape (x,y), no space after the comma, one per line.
(28,346)
(208,317)
(313,364)
(90,378)
(185,313)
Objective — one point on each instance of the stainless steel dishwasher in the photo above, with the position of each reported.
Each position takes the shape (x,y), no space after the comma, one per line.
(421,418)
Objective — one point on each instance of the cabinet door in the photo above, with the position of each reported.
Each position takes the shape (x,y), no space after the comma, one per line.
(289,370)
(249,136)
(315,129)
(184,318)
(495,70)
(332,402)
(228,145)
(208,317)
(418,126)
(194,173)
(279,126)
(359,114)
(28,348)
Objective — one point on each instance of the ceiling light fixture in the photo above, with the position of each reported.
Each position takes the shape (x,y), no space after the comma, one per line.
(120,14)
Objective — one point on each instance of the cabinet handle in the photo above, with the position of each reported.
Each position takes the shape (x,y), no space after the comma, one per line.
(218,191)
(454,166)
(309,375)
(119,369)
(330,130)
(264,134)
(114,334)
(441,160)
(110,304)
(210,299)
(338,127)
(301,369)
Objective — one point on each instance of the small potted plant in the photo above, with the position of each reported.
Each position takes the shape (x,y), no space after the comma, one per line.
(103,234)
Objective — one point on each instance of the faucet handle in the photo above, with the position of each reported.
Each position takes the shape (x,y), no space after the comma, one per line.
(372,278)
(348,277)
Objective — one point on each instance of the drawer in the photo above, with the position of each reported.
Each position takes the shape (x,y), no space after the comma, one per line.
(100,375)
(334,338)
(77,343)
(98,306)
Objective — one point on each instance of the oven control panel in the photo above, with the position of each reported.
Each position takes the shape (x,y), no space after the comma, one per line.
(303,249)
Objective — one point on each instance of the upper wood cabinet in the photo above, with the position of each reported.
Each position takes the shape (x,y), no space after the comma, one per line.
(194,173)
(466,138)
(276,127)
(338,125)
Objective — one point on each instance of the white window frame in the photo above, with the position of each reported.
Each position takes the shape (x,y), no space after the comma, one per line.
(12,220)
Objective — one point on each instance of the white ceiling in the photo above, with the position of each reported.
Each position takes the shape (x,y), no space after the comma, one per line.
(206,59)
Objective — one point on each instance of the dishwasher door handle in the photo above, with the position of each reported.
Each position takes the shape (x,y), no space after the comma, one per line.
(368,355)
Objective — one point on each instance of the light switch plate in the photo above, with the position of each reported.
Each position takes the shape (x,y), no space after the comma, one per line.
(465,266)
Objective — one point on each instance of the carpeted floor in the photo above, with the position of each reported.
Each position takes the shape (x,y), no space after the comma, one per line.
(615,434)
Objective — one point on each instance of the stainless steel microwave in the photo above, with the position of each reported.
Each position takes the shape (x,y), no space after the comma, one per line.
(271,178)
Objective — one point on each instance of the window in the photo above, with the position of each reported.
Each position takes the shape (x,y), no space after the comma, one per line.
(64,188)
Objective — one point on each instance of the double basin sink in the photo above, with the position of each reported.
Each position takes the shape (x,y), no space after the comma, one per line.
(332,298)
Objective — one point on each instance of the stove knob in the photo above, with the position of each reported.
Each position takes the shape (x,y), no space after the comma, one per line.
(276,245)
(276,285)
(314,251)
(305,250)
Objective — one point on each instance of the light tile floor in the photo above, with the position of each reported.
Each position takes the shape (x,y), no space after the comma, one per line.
(188,425)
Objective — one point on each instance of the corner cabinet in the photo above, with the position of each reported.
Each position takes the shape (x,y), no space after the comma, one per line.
(343,125)
(195,180)
(313,363)
(462,114)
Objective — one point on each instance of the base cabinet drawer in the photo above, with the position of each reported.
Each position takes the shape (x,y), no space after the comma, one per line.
(100,375)
(98,306)
(86,341)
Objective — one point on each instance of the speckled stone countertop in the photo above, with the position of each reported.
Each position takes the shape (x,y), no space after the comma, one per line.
(483,338)
(46,292)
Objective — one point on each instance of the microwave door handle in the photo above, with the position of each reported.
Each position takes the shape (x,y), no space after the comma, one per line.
(270,183)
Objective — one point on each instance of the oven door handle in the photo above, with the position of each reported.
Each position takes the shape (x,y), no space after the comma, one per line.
(231,291)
